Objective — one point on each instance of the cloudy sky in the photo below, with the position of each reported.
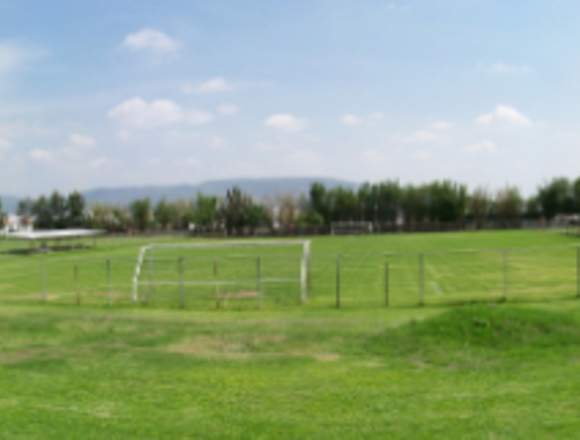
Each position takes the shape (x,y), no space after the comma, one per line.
(112,92)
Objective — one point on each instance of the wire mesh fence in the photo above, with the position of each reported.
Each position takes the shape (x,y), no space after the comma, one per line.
(252,281)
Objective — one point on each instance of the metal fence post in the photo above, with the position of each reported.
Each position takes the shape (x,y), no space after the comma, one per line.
(76,284)
(386,274)
(421,279)
(338,264)
(181,283)
(109,281)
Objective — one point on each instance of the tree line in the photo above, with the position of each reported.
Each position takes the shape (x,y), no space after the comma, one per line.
(384,204)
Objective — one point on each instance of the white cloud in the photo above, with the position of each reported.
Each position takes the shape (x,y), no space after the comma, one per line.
(40,155)
(285,122)
(5,145)
(213,85)
(197,117)
(485,146)
(152,40)
(372,156)
(227,109)
(99,162)
(504,114)
(435,131)
(124,135)
(192,162)
(81,140)
(304,159)
(351,120)
(441,126)
(136,113)
(216,142)
(13,57)
(422,136)
(501,68)
(423,155)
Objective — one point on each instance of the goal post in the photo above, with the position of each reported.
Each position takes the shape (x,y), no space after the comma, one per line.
(211,251)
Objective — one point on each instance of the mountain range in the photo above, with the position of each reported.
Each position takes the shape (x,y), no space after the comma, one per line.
(259,188)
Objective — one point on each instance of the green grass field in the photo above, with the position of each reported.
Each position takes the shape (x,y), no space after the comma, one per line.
(466,365)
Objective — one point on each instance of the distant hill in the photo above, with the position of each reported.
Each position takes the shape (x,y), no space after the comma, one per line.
(258,188)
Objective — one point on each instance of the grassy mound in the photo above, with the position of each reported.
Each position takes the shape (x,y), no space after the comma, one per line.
(478,335)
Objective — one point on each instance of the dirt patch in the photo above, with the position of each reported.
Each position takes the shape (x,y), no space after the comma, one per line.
(269,339)
(210,347)
(238,295)
(327,357)
(215,347)
(18,356)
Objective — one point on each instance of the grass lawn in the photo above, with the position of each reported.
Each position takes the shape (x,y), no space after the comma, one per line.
(491,370)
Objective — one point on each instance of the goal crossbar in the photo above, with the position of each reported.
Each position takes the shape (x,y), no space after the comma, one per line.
(304,263)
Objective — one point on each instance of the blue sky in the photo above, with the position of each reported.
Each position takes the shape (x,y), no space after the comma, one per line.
(110,93)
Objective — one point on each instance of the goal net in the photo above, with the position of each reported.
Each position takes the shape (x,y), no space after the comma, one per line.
(351,228)
(223,271)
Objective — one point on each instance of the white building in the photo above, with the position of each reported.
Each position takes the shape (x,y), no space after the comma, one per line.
(17,223)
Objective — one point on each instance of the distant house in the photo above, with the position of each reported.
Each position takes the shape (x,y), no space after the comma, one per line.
(17,223)
(563,220)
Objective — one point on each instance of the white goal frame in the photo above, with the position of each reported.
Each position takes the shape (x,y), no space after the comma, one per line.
(304,263)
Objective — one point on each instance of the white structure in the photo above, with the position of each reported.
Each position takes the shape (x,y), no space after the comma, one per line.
(17,223)
(225,245)
(57,234)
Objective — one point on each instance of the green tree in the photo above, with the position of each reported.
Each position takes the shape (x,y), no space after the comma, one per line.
(533,208)
(43,214)
(235,211)
(165,215)
(480,203)
(287,211)
(75,209)
(576,191)
(319,201)
(123,219)
(100,216)
(206,212)
(25,210)
(557,197)
(58,209)
(343,204)
(447,201)
(2,216)
(509,206)
(141,214)
(257,216)
(414,203)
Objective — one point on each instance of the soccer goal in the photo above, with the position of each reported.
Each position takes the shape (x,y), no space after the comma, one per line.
(351,228)
(223,271)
